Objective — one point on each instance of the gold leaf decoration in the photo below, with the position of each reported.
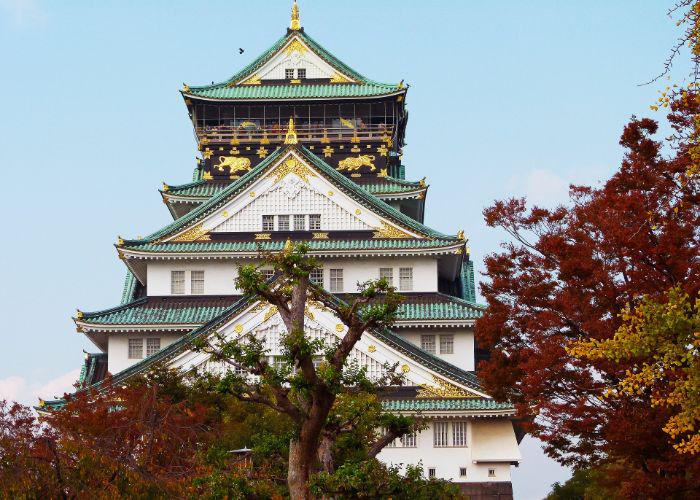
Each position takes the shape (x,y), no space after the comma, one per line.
(295,46)
(252,80)
(263,236)
(195,233)
(270,313)
(387,231)
(338,78)
(351,164)
(293,166)
(443,389)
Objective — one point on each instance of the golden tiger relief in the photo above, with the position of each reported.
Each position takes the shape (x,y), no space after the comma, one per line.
(234,163)
(351,164)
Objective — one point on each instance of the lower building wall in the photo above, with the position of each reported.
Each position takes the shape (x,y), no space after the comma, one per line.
(487,491)
(118,348)
(447,461)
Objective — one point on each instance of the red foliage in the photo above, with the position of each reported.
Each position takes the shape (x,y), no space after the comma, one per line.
(566,275)
(131,440)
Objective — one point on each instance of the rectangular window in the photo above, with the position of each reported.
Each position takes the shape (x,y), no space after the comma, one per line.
(459,434)
(268,222)
(315,222)
(405,279)
(197,282)
(316,276)
(427,343)
(283,222)
(267,273)
(388,274)
(408,440)
(300,222)
(462,472)
(431,472)
(440,435)
(135,348)
(301,73)
(177,282)
(289,73)
(152,346)
(447,344)
(336,280)
(492,472)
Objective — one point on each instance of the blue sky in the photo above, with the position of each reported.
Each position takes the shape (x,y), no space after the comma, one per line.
(507,98)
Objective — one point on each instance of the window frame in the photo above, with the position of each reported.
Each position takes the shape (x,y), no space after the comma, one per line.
(300,75)
(268,223)
(335,280)
(299,218)
(444,441)
(314,222)
(425,340)
(149,346)
(196,290)
(318,270)
(174,290)
(289,73)
(403,280)
(462,426)
(133,343)
(445,340)
(283,219)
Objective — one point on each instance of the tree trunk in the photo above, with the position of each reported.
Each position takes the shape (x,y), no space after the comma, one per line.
(325,453)
(298,473)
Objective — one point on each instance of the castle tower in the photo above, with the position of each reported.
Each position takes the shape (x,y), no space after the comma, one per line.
(297,146)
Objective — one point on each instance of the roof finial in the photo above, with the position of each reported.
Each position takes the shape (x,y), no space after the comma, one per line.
(291,137)
(294,24)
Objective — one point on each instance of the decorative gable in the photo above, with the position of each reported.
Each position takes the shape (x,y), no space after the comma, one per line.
(289,197)
(292,185)
(371,353)
(295,55)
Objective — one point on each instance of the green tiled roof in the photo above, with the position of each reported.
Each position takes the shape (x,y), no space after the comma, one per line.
(349,187)
(474,404)
(207,189)
(130,285)
(199,310)
(445,308)
(314,245)
(328,90)
(229,90)
(148,311)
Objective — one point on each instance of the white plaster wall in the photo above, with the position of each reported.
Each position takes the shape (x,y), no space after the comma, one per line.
(463,355)
(219,276)
(118,348)
(448,460)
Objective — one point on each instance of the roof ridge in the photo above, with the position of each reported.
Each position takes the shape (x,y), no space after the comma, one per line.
(462,300)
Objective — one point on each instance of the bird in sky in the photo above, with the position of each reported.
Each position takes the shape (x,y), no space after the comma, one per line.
(240,50)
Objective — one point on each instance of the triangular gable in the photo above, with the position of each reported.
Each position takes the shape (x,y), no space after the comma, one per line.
(373,351)
(296,47)
(296,162)
(296,53)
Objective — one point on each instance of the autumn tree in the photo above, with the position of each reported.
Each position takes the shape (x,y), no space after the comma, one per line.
(306,392)
(567,275)
(661,340)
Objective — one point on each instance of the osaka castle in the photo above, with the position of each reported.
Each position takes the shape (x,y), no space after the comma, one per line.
(297,146)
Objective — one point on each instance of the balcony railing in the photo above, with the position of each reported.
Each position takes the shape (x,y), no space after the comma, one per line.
(306,133)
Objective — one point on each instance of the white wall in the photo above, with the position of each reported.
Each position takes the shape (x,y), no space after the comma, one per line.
(118,348)
(448,460)
(219,276)
(463,355)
